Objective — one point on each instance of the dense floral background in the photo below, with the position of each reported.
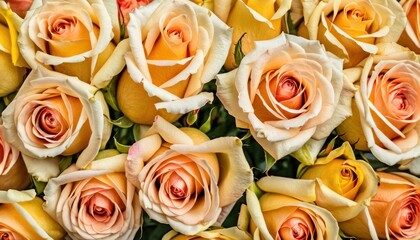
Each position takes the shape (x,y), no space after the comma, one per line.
(214,119)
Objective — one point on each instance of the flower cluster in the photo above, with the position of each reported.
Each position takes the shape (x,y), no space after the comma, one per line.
(210,119)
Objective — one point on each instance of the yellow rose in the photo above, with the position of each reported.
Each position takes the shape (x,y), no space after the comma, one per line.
(210,234)
(176,47)
(344,185)
(411,36)
(259,20)
(54,114)
(187,180)
(13,172)
(394,210)
(350,29)
(287,91)
(71,37)
(284,213)
(95,203)
(12,65)
(27,220)
(386,106)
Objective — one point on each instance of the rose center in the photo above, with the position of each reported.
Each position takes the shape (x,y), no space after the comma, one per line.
(100,208)
(287,89)
(294,229)
(400,101)
(63,25)
(50,121)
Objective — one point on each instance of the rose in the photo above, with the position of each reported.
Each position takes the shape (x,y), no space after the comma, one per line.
(12,64)
(283,213)
(127,6)
(258,20)
(71,37)
(54,114)
(287,91)
(216,233)
(13,173)
(95,203)
(344,185)
(394,210)
(387,104)
(184,46)
(20,7)
(350,29)
(188,181)
(27,220)
(410,36)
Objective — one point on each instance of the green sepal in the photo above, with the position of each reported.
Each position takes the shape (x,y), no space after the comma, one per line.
(238,54)
(110,92)
(122,122)
(121,147)
(206,127)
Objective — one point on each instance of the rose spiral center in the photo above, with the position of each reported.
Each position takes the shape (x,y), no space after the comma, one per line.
(100,208)
(287,89)
(400,101)
(299,226)
(62,25)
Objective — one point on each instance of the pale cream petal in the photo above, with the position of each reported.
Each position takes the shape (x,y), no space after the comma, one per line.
(11,195)
(187,104)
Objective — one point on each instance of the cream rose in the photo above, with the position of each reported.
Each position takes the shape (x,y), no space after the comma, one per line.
(176,47)
(187,181)
(257,19)
(13,172)
(351,29)
(54,114)
(71,37)
(411,36)
(287,91)
(210,234)
(344,185)
(386,106)
(95,203)
(27,220)
(283,213)
(394,210)
(12,64)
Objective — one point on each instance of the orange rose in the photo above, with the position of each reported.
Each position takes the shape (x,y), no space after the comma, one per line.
(394,210)
(20,6)
(127,6)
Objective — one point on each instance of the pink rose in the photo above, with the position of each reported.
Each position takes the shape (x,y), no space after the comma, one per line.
(20,6)
(95,203)
(127,6)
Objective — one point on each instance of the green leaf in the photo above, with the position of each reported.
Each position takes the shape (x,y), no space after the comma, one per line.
(239,55)
(110,92)
(206,127)
(258,192)
(269,161)
(121,147)
(122,122)
(192,117)
(106,154)
(137,132)
(39,186)
(292,26)
(65,162)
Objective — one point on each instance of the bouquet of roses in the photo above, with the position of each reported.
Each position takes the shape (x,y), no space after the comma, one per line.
(213,119)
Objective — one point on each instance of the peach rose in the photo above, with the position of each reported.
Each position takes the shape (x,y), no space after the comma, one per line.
(257,19)
(13,172)
(127,6)
(95,203)
(283,213)
(20,7)
(386,106)
(287,91)
(394,210)
(344,185)
(351,29)
(72,37)
(27,220)
(12,65)
(187,181)
(176,47)
(411,36)
(54,114)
